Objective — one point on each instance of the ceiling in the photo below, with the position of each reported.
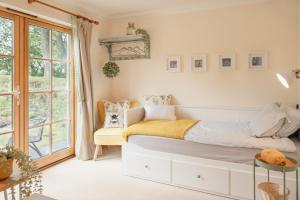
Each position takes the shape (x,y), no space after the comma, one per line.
(126,8)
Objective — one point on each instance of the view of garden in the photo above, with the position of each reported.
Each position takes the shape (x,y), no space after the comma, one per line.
(48,88)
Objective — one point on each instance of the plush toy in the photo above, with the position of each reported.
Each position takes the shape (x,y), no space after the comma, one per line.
(275,157)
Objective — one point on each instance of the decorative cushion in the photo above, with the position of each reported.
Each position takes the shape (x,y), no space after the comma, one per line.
(156,112)
(268,122)
(157,100)
(292,124)
(114,117)
(115,107)
(101,110)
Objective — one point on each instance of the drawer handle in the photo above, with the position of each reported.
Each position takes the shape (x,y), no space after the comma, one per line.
(198,176)
(146,166)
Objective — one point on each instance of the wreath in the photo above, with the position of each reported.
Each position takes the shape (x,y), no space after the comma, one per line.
(111,69)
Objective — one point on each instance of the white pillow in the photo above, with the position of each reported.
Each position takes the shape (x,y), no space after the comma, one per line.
(292,124)
(268,122)
(155,112)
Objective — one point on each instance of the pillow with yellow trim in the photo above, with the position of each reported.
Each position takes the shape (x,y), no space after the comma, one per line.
(157,100)
(114,113)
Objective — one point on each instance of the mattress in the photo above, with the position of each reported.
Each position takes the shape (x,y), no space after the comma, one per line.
(195,149)
(234,134)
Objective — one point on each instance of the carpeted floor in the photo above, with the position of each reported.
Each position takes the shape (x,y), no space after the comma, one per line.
(102,180)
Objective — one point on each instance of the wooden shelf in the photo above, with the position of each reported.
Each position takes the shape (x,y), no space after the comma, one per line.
(11,181)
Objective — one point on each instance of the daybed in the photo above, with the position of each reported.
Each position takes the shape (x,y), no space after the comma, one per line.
(225,171)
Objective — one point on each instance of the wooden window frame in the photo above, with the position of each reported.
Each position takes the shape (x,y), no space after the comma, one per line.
(55,156)
(15,77)
(21,117)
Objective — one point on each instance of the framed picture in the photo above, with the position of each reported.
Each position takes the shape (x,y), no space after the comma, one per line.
(258,61)
(227,62)
(198,63)
(174,64)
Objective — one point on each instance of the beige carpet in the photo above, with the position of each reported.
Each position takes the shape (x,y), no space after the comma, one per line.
(102,180)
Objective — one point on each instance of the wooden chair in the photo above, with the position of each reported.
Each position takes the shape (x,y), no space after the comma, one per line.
(108,136)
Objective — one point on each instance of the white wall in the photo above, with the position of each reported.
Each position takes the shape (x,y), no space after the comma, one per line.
(101,84)
(270,27)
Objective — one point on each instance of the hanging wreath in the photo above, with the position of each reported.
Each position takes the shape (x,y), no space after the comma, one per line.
(111,69)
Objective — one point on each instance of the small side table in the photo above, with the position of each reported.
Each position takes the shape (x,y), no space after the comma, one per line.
(258,163)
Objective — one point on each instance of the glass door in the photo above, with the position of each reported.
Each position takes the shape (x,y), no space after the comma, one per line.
(49,92)
(9,80)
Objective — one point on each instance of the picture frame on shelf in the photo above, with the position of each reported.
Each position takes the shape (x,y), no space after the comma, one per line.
(174,64)
(227,62)
(258,61)
(198,63)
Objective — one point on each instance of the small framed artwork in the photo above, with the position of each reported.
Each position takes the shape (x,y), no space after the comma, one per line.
(174,64)
(198,63)
(227,62)
(258,61)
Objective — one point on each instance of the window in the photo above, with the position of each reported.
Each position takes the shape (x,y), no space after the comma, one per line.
(9,74)
(49,90)
(38,114)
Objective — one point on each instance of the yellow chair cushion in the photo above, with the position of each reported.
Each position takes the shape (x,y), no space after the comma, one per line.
(109,136)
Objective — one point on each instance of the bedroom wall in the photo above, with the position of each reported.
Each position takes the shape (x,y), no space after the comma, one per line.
(101,85)
(269,27)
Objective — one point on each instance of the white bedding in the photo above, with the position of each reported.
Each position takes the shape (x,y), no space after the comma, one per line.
(234,135)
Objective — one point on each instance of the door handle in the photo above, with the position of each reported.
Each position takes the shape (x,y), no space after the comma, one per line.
(17,93)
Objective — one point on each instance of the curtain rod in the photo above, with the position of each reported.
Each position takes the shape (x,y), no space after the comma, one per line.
(62,10)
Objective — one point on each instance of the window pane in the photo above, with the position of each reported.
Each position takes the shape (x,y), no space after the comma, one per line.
(39,143)
(6,113)
(39,75)
(5,139)
(39,42)
(60,136)
(60,76)
(6,36)
(6,72)
(60,46)
(39,108)
(60,106)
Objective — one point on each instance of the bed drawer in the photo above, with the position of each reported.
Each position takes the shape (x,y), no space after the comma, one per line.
(201,177)
(156,169)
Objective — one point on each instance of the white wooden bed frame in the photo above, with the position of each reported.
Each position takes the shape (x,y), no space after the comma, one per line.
(226,179)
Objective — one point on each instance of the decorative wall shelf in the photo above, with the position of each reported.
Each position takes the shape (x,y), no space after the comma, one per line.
(128,47)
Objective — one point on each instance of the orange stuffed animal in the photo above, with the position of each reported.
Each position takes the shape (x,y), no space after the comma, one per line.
(275,157)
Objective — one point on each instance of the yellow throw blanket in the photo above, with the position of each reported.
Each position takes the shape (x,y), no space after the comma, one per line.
(163,128)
